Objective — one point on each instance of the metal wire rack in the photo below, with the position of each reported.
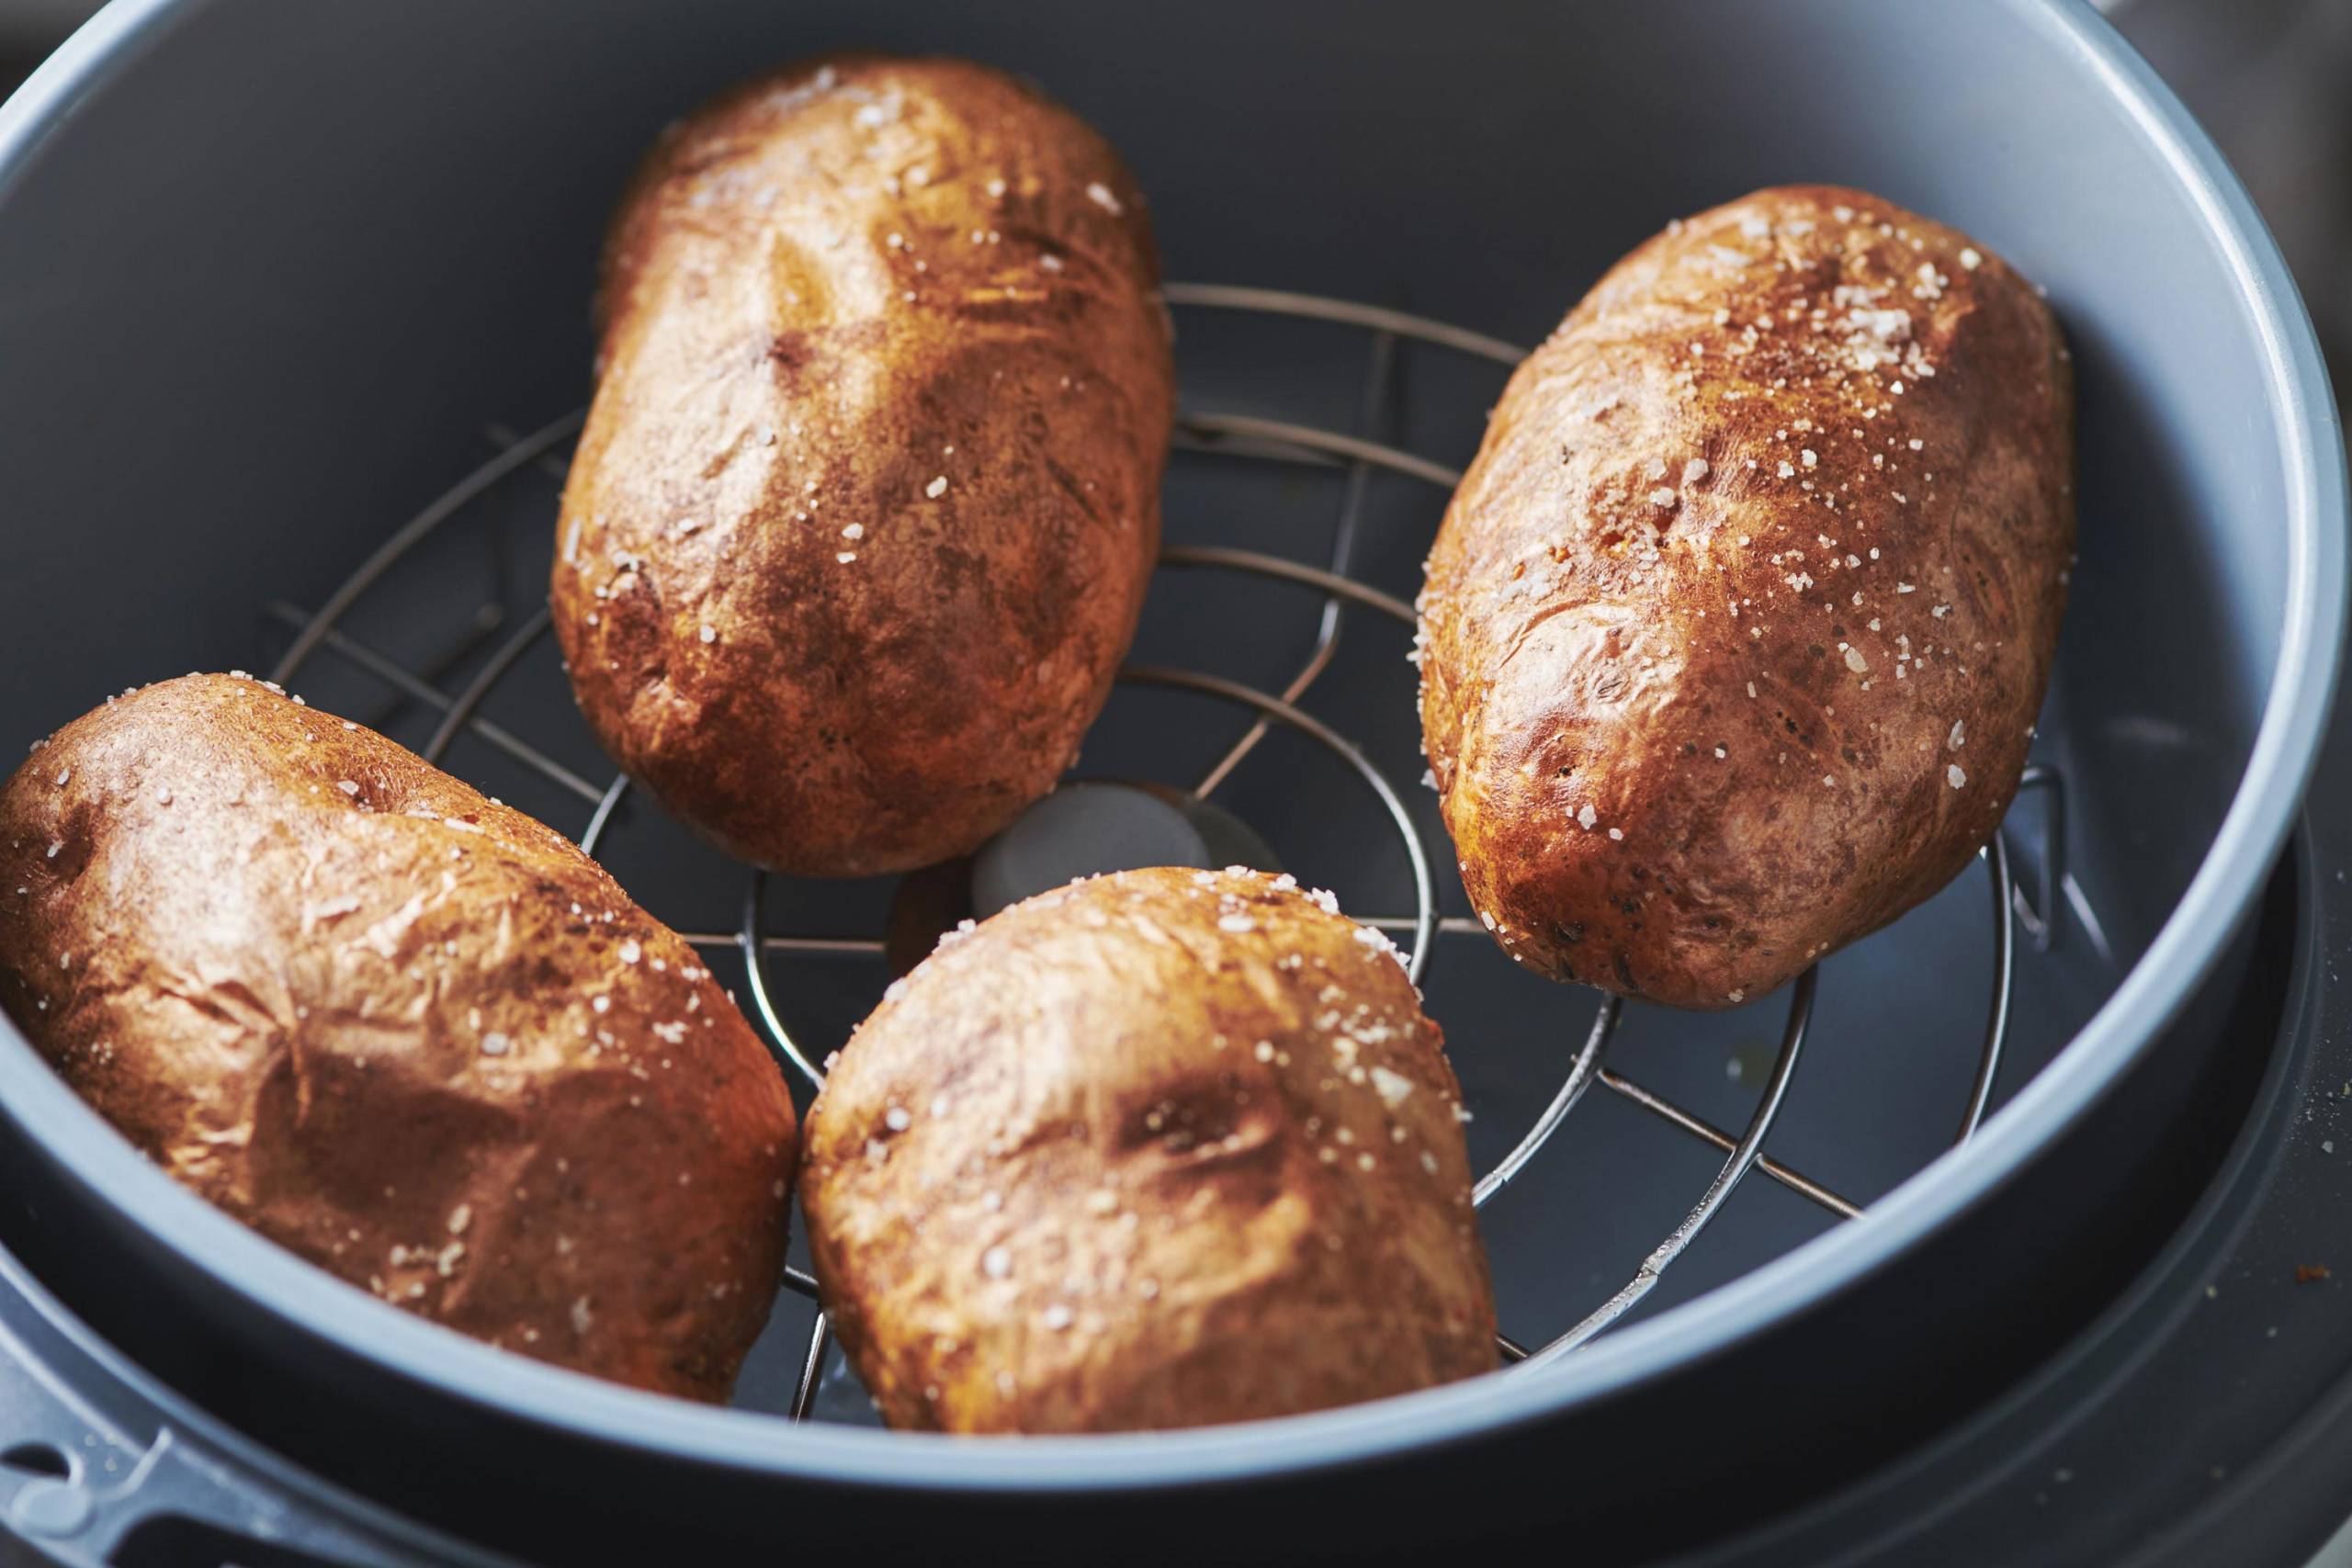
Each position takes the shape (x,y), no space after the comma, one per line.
(1222,436)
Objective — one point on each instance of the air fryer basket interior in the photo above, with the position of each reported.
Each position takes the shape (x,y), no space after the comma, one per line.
(294,270)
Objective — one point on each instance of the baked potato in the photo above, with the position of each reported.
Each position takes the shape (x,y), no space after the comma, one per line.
(1734,633)
(1161,1148)
(859,525)
(407,1033)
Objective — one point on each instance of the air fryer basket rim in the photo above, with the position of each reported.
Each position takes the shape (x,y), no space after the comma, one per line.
(2253,829)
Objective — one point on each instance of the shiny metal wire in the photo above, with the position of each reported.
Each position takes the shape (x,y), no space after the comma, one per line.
(1316,308)
(534,627)
(1743,1155)
(1363,454)
(413,531)
(1995,856)
(755,974)
(609,803)
(1415,855)
(1372,414)
(1582,1069)
(812,1367)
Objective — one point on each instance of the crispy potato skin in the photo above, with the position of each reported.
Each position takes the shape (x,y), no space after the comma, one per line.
(1735,634)
(861,522)
(1159,1149)
(412,1035)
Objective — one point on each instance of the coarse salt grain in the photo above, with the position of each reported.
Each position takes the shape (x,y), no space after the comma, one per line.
(936,488)
(1956,777)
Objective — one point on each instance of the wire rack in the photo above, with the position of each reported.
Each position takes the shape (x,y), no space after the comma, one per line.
(1214,436)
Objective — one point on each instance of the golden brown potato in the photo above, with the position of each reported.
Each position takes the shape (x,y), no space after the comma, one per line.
(405,1031)
(1162,1148)
(1734,633)
(859,525)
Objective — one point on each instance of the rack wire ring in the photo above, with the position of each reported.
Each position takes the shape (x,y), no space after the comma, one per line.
(502,658)
(751,942)
(443,507)
(606,805)
(1245,437)
(1345,312)
(1995,856)
(1424,887)
(1582,1070)
(1734,1169)
(1374,416)
(780,1041)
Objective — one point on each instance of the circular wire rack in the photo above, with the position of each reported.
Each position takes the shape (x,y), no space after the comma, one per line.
(1220,436)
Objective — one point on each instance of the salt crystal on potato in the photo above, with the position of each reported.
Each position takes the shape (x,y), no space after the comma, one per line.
(1866,556)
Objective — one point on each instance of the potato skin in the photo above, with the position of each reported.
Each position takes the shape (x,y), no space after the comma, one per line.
(1734,633)
(859,525)
(1161,1148)
(365,1021)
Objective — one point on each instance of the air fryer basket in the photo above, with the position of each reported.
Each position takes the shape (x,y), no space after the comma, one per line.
(291,368)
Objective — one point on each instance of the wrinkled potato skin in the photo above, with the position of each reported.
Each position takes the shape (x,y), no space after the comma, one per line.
(807,355)
(1761,565)
(1158,1149)
(363,1021)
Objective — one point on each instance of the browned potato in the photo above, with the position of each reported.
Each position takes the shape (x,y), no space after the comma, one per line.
(1162,1148)
(405,1031)
(860,525)
(1734,633)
